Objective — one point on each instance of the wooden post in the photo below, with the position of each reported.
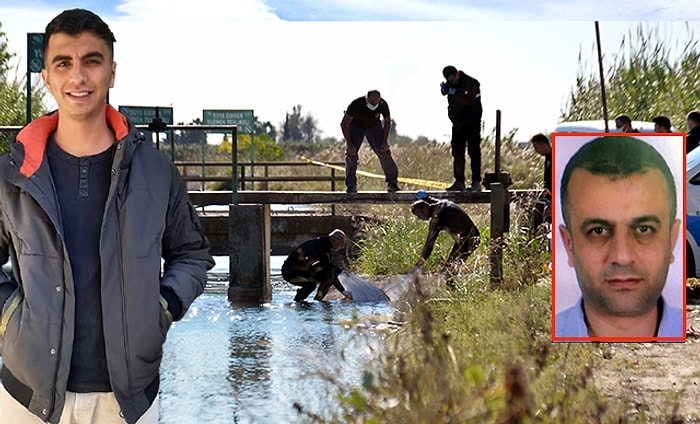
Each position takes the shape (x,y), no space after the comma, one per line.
(267,174)
(333,189)
(498,227)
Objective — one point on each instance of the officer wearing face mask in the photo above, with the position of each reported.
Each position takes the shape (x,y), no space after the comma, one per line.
(362,120)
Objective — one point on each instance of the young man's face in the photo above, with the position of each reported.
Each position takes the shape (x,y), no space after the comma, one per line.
(619,240)
(79,72)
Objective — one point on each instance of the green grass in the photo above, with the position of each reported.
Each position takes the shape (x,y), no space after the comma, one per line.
(470,351)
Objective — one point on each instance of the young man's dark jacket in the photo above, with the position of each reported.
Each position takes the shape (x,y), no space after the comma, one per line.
(147,217)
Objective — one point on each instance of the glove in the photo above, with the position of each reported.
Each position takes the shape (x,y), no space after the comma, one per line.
(443,88)
(451,91)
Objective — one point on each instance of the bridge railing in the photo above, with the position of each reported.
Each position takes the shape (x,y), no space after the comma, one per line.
(203,172)
(6,132)
(248,175)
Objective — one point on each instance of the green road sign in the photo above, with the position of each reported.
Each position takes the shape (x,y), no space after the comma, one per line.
(35,51)
(242,118)
(143,115)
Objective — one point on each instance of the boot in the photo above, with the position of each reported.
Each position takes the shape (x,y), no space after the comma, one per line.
(456,186)
(475,187)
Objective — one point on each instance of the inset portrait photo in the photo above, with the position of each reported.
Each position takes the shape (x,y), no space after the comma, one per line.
(618,238)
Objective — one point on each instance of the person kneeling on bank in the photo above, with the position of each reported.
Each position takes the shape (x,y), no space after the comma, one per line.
(448,216)
(311,264)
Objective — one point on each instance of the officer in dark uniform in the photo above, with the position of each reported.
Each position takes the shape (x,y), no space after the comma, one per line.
(360,121)
(542,211)
(464,110)
(445,215)
(311,264)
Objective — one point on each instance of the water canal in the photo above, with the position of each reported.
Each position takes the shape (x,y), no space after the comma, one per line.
(228,363)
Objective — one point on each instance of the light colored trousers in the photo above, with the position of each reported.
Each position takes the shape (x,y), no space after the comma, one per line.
(80,408)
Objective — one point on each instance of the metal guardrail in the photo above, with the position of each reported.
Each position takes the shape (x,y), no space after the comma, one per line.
(238,180)
(247,173)
(165,128)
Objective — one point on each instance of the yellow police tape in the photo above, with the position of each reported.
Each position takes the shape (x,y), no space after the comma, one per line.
(425,183)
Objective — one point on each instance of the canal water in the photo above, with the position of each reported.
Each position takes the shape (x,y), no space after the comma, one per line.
(227,363)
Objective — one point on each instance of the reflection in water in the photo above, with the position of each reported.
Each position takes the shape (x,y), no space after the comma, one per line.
(249,364)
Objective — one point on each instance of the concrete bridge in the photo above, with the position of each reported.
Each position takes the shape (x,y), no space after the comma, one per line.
(288,230)
(248,232)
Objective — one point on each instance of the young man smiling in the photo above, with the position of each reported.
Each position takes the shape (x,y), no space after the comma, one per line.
(89,209)
(619,205)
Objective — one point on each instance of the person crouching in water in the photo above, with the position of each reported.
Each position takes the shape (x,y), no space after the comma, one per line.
(446,215)
(311,264)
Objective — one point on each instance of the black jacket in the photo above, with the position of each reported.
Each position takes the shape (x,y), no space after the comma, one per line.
(465,104)
(692,139)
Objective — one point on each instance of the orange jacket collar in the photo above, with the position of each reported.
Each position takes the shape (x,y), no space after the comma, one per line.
(35,135)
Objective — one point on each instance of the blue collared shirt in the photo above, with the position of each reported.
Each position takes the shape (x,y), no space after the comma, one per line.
(571,322)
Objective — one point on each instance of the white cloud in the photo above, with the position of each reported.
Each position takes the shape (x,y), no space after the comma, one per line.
(200,10)
(499,10)
(168,53)
(403,10)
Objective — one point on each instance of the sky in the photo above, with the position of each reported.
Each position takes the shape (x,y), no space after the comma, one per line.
(271,55)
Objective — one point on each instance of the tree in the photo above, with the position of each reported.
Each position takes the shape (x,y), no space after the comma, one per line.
(644,79)
(265,148)
(309,128)
(13,97)
(300,128)
(189,137)
(292,124)
(265,128)
(392,130)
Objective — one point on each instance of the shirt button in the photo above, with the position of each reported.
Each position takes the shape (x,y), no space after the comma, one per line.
(44,411)
(59,289)
(52,351)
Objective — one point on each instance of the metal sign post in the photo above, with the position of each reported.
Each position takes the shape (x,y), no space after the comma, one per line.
(35,63)
(243,119)
(144,115)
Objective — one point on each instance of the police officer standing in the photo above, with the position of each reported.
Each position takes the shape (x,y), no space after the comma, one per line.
(362,120)
(464,110)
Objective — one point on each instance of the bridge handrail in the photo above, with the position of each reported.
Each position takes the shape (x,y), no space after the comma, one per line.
(240,178)
(206,198)
(251,178)
(256,163)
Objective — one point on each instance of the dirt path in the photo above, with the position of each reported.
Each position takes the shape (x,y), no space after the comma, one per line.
(658,377)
